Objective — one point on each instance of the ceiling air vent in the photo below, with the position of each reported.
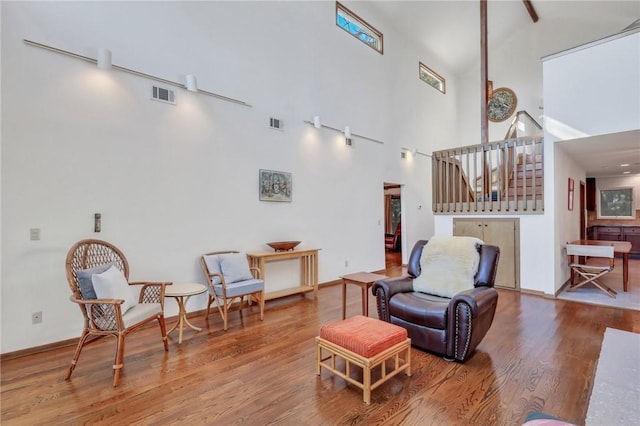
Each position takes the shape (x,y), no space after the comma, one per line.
(163,95)
(276,123)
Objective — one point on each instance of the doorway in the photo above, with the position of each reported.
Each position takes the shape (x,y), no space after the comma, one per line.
(583,209)
(392,224)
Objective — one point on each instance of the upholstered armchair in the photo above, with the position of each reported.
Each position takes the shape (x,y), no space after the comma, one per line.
(392,241)
(447,322)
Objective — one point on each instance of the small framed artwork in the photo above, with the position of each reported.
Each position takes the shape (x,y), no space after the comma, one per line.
(275,186)
(571,191)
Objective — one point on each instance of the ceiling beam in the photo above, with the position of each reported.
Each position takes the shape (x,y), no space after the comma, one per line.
(531,10)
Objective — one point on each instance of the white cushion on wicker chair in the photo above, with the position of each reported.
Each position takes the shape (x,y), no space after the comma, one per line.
(240,288)
(84,280)
(235,267)
(112,284)
(140,312)
(213,264)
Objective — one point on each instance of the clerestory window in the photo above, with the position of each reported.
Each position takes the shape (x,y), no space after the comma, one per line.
(357,27)
(431,77)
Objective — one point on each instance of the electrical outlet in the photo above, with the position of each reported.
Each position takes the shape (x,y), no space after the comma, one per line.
(36,317)
(346,263)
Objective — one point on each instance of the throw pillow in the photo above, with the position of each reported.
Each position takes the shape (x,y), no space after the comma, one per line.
(235,267)
(111,284)
(84,280)
(213,265)
(448,266)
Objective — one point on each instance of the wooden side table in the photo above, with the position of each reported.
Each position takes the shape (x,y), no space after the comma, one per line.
(364,280)
(181,292)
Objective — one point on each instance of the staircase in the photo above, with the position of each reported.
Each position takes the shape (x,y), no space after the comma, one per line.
(527,182)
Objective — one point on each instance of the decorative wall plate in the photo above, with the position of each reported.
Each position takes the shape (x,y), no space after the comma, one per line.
(501,105)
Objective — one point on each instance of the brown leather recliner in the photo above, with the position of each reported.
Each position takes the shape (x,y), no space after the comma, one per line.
(449,327)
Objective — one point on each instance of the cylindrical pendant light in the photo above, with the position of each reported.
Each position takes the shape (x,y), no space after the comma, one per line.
(192,83)
(104,58)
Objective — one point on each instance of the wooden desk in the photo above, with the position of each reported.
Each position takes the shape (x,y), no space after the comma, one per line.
(308,269)
(364,280)
(619,247)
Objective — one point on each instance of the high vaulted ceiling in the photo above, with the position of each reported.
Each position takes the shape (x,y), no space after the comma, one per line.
(451,31)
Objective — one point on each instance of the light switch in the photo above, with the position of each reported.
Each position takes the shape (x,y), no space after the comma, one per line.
(34,234)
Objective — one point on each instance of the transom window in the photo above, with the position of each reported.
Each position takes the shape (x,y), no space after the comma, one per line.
(431,77)
(357,27)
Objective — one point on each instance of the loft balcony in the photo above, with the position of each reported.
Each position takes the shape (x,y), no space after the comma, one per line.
(503,177)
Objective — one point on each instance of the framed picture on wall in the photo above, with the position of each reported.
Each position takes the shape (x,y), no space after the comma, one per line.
(571,192)
(616,203)
(275,186)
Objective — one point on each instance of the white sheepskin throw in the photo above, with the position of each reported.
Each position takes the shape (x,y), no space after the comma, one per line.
(448,266)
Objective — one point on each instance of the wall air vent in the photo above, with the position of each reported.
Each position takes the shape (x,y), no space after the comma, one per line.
(276,123)
(162,94)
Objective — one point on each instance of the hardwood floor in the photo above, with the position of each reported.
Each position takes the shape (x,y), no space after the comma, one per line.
(540,354)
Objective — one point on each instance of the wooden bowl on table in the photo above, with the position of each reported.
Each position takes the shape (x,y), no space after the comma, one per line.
(283,245)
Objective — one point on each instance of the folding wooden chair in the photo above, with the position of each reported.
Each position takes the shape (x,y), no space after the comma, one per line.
(590,273)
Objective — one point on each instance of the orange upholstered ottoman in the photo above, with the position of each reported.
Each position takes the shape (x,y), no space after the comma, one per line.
(367,343)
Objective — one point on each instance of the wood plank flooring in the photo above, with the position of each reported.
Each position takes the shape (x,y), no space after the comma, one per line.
(540,354)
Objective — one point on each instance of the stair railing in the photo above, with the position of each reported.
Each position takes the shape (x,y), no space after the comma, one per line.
(498,177)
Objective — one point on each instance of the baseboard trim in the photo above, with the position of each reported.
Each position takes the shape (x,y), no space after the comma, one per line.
(537,293)
(74,341)
(38,349)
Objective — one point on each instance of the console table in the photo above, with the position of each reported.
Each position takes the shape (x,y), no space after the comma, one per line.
(308,269)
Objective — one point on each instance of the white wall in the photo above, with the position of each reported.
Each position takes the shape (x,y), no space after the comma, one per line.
(593,90)
(567,222)
(173,182)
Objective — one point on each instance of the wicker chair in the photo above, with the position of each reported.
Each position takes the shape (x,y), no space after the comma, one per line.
(105,317)
(224,289)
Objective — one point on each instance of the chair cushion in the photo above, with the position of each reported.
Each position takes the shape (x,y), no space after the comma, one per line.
(235,267)
(213,265)
(140,312)
(363,335)
(84,280)
(448,265)
(241,287)
(111,284)
(420,308)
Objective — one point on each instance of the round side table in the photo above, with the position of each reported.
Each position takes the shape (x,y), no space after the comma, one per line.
(181,292)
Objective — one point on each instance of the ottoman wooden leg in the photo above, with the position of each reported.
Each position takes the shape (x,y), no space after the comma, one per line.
(366,394)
